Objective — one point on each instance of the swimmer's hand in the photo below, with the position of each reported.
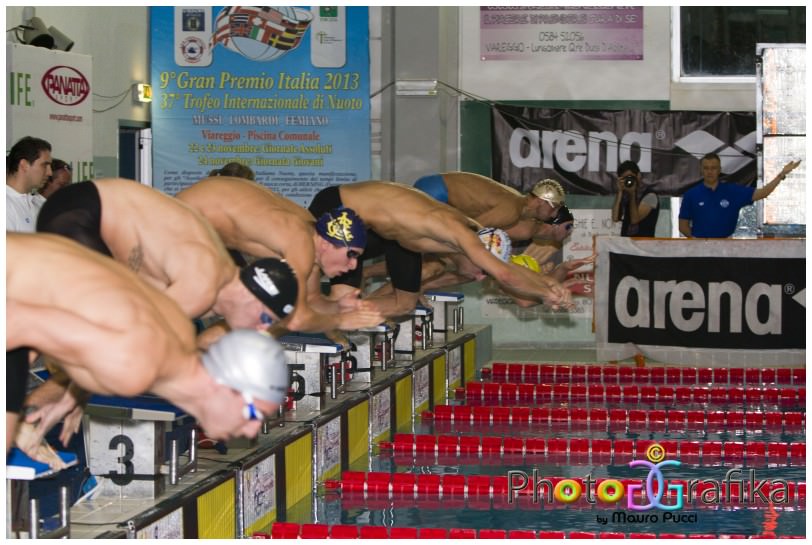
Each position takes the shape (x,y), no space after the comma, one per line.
(37,449)
(350,300)
(368,316)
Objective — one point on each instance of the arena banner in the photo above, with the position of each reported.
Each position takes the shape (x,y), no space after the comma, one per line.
(49,96)
(582,149)
(727,302)
(282,90)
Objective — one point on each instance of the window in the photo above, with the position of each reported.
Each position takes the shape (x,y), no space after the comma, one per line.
(721,41)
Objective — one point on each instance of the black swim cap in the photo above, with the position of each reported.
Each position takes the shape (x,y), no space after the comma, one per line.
(563,216)
(273,282)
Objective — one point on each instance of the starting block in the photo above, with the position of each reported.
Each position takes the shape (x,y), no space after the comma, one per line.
(316,365)
(448,311)
(23,511)
(136,442)
(414,332)
(369,346)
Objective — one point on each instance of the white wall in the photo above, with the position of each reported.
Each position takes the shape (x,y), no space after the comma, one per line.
(118,40)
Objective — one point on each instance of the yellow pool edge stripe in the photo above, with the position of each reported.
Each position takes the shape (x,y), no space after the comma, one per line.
(469,360)
(403,402)
(298,470)
(439,374)
(216,516)
(358,431)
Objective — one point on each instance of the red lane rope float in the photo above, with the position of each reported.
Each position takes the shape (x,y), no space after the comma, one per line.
(289,530)
(509,393)
(525,492)
(497,450)
(599,419)
(616,374)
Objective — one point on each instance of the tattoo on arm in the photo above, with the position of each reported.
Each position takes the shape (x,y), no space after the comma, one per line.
(136,258)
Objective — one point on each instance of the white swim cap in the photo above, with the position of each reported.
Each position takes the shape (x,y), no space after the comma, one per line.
(496,241)
(250,362)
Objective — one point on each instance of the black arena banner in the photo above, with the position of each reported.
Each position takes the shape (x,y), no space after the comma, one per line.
(706,302)
(582,149)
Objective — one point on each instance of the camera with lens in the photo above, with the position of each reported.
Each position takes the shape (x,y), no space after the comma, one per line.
(629,181)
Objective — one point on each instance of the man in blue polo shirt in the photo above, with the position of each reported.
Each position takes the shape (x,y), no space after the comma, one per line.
(711,209)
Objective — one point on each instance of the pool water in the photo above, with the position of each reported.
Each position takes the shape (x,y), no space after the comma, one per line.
(330,507)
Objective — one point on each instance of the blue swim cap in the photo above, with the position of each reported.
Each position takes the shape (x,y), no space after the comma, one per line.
(342,227)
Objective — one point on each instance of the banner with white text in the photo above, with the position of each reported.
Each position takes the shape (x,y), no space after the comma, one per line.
(282,90)
(582,149)
(700,301)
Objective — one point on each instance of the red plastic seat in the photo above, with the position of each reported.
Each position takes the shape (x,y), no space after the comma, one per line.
(612,393)
(432,533)
(716,421)
(610,375)
(548,534)
(695,420)
(624,451)
(578,374)
(374,532)
(711,453)
(648,395)
(544,393)
(601,451)
(582,535)
(520,416)
(474,391)
(735,421)
(403,533)
(797,454)
(527,393)
(704,375)
(492,534)
(720,375)
(597,419)
(314,531)
(617,420)
(701,395)
(521,534)
(755,454)
(531,374)
(595,393)
(799,376)
(736,376)
(547,374)
(578,394)
(752,376)
(673,376)
(285,530)
(631,394)
(594,374)
(689,452)
(777,454)
(344,531)
(625,375)
(462,533)
(754,422)
(642,375)
(676,421)
(561,393)
(793,422)
(579,419)
(540,416)
(509,393)
(688,376)
(656,420)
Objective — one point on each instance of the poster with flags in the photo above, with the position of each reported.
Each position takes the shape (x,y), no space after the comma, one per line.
(281,90)
(582,149)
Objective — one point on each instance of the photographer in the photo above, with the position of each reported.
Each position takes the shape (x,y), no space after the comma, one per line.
(636,207)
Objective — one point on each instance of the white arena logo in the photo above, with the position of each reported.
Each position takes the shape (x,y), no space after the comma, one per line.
(572,150)
(688,304)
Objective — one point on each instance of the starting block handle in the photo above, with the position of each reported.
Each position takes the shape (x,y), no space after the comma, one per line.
(175,471)
(64,518)
(445,296)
